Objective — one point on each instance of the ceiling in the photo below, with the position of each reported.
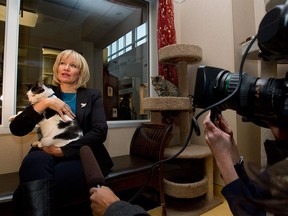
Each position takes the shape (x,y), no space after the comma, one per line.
(90,20)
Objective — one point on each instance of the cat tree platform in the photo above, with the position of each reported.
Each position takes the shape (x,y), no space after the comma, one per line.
(167,103)
(197,188)
(184,184)
(175,53)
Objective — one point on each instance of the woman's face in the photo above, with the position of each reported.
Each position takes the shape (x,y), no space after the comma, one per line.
(68,71)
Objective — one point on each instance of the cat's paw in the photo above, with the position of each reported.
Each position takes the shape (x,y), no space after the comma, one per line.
(37,144)
(11,118)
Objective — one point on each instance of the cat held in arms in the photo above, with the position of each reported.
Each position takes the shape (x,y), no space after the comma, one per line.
(54,130)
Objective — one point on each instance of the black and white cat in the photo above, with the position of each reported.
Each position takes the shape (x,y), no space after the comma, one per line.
(54,130)
(164,87)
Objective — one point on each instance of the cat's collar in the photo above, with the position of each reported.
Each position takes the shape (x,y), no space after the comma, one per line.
(51,95)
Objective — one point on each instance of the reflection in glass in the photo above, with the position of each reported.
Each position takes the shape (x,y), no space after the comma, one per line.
(89,28)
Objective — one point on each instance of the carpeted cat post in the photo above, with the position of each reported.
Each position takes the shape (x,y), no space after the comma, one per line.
(185,182)
(181,55)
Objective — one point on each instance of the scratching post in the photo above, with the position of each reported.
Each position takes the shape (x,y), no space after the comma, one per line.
(181,55)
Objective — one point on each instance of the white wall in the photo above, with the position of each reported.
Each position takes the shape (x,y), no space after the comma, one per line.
(208,24)
(218,27)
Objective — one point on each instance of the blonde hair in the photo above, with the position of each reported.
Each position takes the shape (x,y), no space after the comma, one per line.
(80,62)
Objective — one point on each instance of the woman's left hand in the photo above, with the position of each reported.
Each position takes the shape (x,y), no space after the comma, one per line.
(53,150)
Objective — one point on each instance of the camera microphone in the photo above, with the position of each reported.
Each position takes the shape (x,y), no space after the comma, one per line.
(93,174)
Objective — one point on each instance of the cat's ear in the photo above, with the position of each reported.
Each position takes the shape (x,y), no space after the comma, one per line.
(39,84)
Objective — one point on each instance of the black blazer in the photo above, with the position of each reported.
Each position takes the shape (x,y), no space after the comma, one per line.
(90,115)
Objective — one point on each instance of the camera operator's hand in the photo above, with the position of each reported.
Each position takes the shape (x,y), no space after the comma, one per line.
(219,138)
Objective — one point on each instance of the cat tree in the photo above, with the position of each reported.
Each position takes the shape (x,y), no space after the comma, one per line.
(181,55)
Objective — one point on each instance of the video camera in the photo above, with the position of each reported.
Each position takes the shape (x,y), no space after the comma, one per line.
(256,99)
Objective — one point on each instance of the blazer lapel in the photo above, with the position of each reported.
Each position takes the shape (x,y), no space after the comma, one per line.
(81,104)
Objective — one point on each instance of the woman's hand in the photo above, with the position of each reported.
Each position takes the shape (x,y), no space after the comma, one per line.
(101,199)
(53,150)
(219,138)
(55,104)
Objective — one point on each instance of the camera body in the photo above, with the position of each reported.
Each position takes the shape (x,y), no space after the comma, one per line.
(256,99)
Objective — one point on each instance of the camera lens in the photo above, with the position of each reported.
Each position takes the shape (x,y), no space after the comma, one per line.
(256,99)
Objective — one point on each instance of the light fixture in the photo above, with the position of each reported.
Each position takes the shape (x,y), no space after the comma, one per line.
(26,19)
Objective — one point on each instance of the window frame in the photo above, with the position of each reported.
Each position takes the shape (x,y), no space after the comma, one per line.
(10,62)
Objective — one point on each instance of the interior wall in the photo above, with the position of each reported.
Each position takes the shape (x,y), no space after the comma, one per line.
(249,135)
(208,24)
(219,28)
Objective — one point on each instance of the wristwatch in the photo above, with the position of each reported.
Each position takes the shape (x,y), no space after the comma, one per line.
(240,162)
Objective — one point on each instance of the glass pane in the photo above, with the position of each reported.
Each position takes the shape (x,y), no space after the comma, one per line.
(128,38)
(141,31)
(121,43)
(2,33)
(87,27)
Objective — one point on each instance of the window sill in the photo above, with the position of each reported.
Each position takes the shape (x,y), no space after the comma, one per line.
(125,124)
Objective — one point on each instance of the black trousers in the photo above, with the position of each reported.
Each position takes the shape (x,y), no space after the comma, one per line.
(70,183)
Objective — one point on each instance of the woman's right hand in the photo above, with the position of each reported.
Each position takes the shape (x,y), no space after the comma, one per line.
(55,104)
(219,138)
(101,198)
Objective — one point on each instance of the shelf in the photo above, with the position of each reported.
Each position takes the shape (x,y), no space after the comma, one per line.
(167,103)
(186,190)
(253,53)
(175,53)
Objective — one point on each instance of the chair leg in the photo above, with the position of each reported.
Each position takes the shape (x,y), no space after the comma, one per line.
(163,209)
(161,192)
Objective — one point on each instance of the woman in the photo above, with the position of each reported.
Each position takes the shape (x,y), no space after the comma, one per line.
(244,195)
(52,176)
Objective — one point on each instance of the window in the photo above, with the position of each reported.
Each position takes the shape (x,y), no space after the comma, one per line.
(86,28)
(141,34)
(125,58)
(120,46)
(126,43)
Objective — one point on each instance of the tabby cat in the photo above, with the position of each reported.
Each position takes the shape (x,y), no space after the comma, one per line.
(53,129)
(164,87)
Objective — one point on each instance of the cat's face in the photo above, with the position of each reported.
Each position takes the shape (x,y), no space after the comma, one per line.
(37,92)
(37,88)
(157,80)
